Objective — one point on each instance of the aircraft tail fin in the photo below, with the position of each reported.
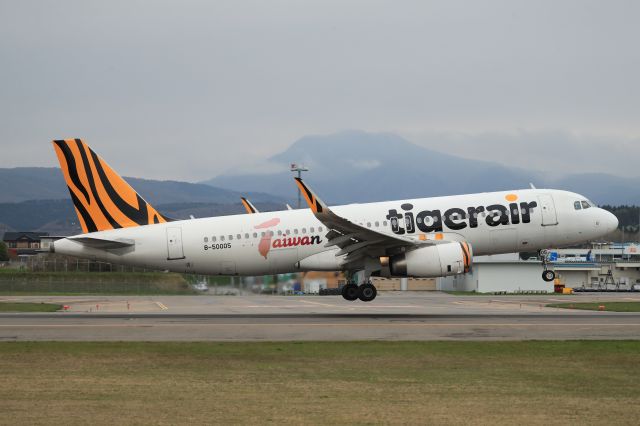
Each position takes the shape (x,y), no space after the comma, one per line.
(102,199)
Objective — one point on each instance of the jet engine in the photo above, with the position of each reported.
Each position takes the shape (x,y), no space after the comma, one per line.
(439,260)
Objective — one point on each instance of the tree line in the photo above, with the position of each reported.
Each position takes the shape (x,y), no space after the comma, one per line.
(628,216)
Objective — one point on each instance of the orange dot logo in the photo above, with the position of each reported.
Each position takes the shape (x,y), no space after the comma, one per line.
(511,197)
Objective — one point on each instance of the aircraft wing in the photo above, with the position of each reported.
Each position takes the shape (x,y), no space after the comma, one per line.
(354,240)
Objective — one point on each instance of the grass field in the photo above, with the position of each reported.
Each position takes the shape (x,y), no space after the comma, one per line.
(608,306)
(29,307)
(67,283)
(321,383)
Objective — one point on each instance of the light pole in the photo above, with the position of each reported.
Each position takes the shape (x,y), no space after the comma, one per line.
(299,168)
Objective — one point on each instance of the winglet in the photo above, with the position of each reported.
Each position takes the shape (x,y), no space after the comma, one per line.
(251,209)
(315,204)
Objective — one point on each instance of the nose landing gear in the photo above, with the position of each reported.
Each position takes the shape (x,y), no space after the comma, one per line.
(548,275)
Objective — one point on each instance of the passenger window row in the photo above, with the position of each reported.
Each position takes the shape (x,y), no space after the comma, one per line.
(247,236)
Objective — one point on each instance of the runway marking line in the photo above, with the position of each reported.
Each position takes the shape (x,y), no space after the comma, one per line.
(313,325)
(161,306)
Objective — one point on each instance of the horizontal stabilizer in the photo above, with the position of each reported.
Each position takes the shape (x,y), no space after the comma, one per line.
(103,244)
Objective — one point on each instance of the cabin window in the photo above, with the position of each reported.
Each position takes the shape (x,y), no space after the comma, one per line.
(312,229)
(206,239)
(377,224)
(213,239)
(230,237)
(255,235)
(368,224)
(279,232)
(222,238)
(585,205)
(577,205)
(262,234)
(246,236)
(384,223)
(295,231)
(287,232)
(319,228)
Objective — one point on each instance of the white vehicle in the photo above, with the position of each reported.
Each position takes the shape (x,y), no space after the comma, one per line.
(426,237)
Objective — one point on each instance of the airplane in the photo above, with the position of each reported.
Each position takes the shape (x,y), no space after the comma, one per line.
(426,237)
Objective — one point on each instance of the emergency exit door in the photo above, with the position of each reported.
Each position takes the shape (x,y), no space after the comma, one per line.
(548,208)
(174,243)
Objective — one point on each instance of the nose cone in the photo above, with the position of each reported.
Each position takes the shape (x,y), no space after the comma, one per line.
(608,221)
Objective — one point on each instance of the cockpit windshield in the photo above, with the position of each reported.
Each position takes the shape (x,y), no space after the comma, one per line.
(581,205)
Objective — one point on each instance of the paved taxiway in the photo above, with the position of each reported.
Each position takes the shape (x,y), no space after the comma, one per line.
(392,316)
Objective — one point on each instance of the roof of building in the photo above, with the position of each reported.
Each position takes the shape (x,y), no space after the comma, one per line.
(29,235)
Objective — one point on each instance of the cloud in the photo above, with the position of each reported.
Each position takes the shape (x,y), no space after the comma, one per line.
(187,90)
(555,152)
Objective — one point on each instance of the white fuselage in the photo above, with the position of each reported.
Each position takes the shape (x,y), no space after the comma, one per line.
(294,240)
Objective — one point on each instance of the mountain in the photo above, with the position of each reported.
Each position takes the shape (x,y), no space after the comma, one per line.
(59,218)
(37,199)
(42,183)
(355,166)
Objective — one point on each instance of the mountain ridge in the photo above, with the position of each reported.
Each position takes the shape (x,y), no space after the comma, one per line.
(356,166)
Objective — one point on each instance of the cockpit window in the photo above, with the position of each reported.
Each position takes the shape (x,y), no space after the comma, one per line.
(577,205)
(585,205)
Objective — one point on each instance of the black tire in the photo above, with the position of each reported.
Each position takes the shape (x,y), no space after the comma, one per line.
(367,292)
(350,292)
(548,276)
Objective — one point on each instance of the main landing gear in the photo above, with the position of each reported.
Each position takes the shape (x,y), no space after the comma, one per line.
(365,292)
(547,275)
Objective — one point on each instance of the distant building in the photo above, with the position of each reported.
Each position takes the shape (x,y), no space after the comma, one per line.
(24,243)
(601,267)
(499,273)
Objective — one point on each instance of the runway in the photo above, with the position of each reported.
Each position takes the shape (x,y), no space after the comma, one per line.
(393,316)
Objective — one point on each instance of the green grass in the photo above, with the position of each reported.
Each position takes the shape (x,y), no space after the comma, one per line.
(29,307)
(609,306)
(578,382)
(115,283)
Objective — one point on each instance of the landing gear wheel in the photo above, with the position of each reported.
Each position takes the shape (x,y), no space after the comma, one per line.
(350,292)
(548,276)
(367,292)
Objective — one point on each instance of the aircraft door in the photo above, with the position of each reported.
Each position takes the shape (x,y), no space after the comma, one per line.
(174,243)
(549,216)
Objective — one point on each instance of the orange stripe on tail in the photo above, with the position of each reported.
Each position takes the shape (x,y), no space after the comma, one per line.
(102,199)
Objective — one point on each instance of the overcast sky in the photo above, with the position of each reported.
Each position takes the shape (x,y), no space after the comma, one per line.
(189,89)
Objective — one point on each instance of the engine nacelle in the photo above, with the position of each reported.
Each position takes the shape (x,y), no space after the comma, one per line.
(439,260)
